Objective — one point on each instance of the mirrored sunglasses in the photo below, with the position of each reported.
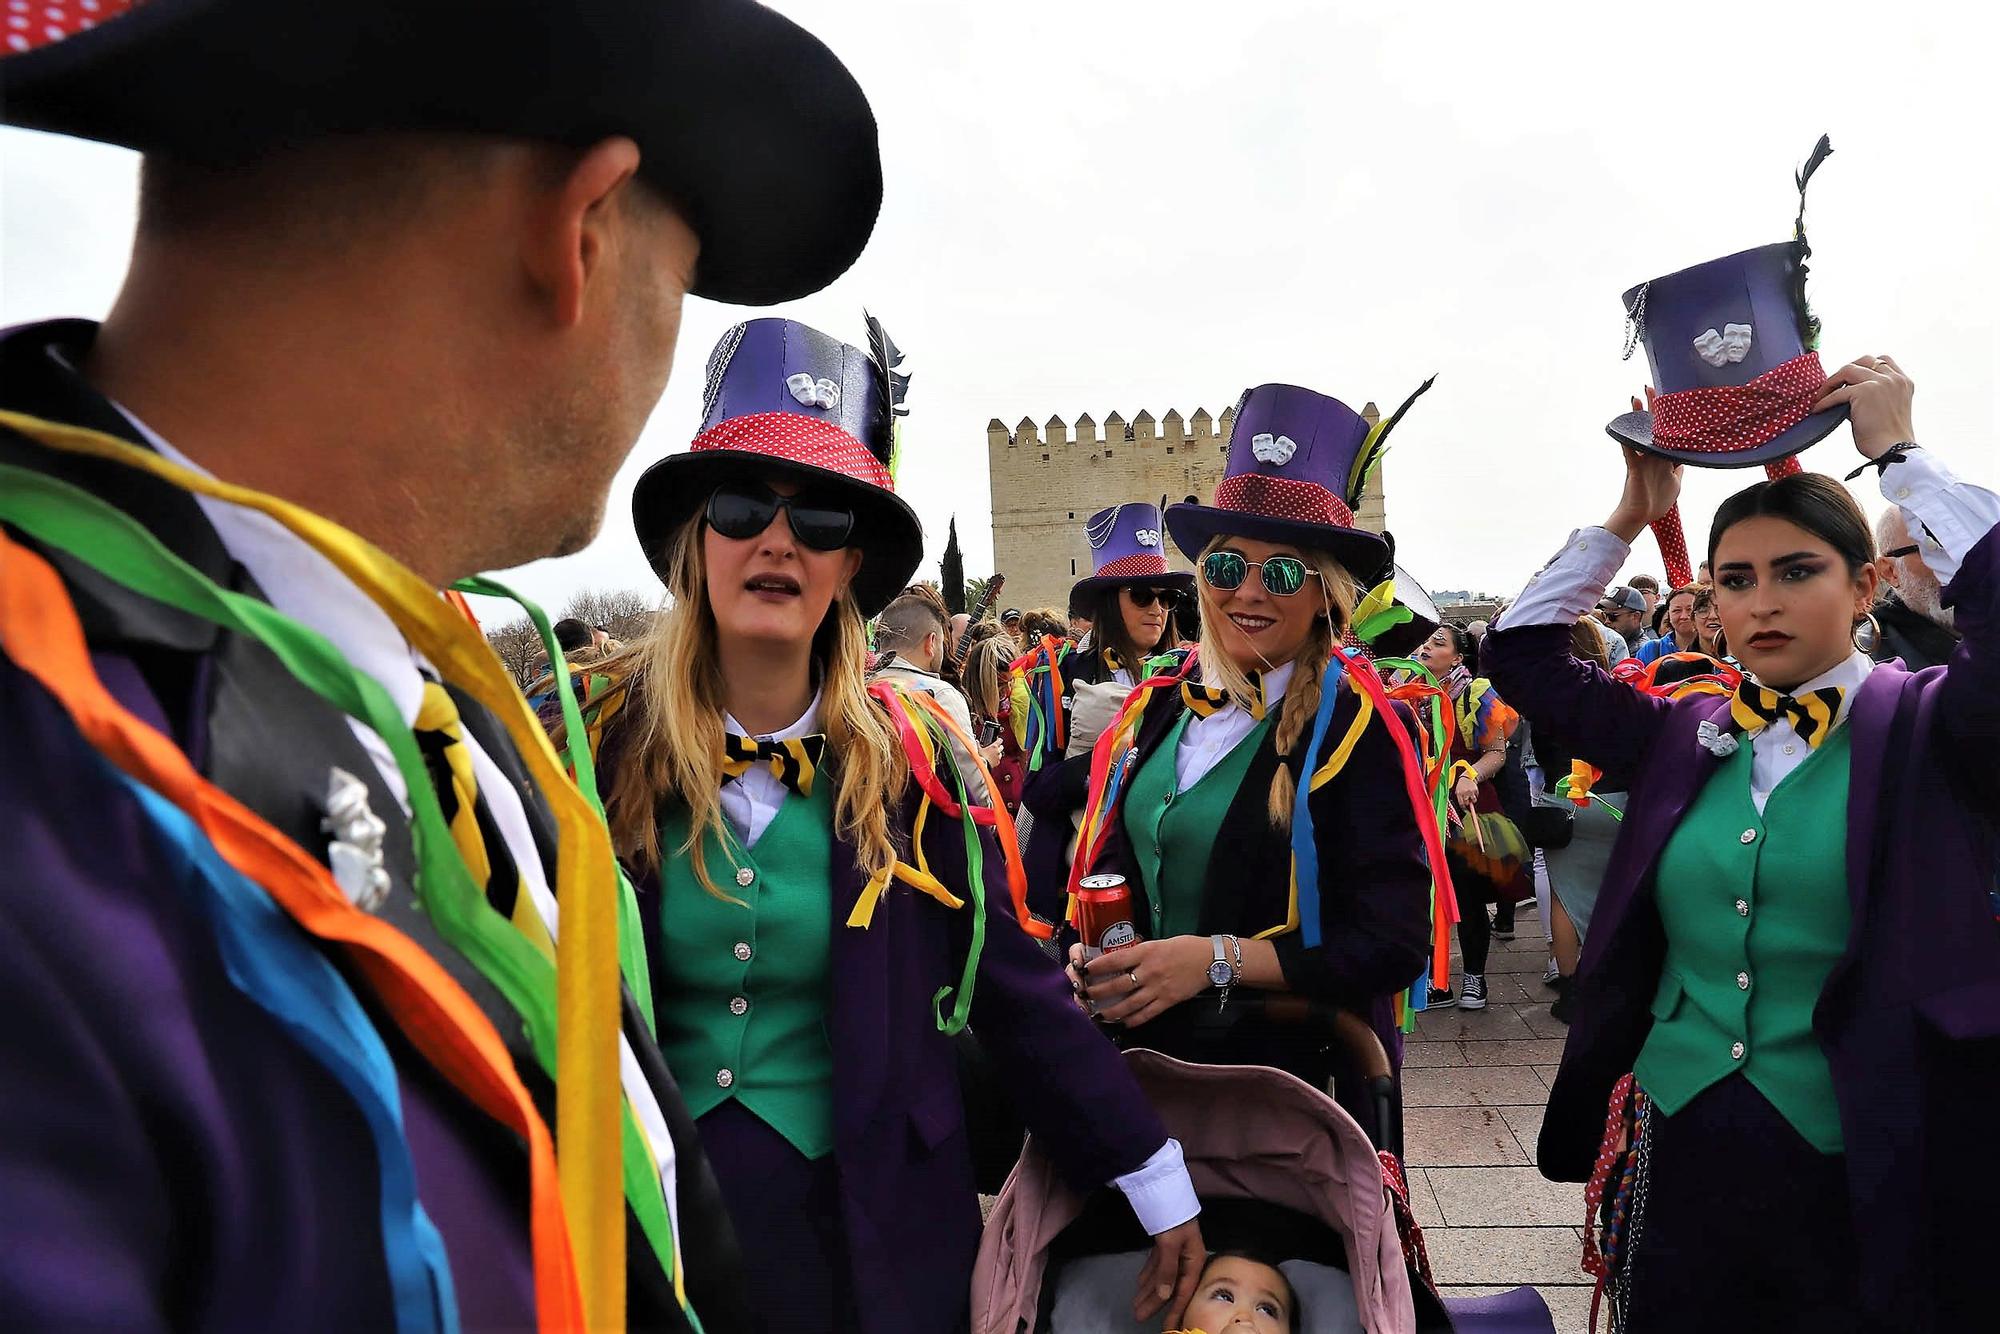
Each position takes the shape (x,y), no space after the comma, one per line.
(1282,575)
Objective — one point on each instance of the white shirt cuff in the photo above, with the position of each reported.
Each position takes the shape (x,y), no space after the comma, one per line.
(1946,515)
(1571,583)
(1161,1192)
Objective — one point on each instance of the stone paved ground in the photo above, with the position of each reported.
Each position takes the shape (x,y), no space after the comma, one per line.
(1474,1084)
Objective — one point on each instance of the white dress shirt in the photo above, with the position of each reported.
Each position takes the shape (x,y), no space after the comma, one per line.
(1205,741)
(1956,512)
(307,587)
(751,802)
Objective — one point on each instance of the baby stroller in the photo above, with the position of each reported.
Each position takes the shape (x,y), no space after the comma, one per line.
(1283,1171)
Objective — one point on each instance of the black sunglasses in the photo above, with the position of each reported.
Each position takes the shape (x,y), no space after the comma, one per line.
(1145,597)
(1282,575)
(742,510)
(1910,550)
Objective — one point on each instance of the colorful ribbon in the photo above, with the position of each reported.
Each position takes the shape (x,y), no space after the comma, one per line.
(40,632)
(588,1006)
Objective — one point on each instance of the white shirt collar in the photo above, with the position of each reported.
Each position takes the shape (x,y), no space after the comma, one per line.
(1848,674)
(1277,681)
(309,588)
(807,724)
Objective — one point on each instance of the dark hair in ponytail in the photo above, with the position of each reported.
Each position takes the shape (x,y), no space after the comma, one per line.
(1812,501)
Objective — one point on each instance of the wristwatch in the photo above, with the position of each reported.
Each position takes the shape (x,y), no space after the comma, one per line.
(1225,972)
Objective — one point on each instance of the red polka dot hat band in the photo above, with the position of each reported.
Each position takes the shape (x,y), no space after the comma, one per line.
(1731,346)
(785,402)
(1298,462)
(36,23)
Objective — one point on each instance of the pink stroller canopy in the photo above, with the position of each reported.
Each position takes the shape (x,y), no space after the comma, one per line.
(1248,1132)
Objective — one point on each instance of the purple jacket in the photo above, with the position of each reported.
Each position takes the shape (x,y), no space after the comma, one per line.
(1909,1018)
(169,1157)
(908,1201)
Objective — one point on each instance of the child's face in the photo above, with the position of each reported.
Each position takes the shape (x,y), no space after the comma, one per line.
(1241,1295)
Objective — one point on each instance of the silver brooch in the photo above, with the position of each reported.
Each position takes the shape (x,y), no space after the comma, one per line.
(1714,740)
(355,853)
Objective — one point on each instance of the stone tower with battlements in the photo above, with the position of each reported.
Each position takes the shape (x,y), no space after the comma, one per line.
(1048,479)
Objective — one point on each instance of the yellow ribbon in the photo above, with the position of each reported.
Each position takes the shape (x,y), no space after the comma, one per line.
(588,1094)
(863,915)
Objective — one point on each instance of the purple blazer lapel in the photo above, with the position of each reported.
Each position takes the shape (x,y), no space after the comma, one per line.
(1871,718)
(858,1007)
(1676,770)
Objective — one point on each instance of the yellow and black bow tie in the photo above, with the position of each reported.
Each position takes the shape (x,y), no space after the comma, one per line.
(474,831)
(1812,714)
(1205,700)
(794,763)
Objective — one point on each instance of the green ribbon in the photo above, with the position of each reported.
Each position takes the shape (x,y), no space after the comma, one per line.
(631,944)
(71,520)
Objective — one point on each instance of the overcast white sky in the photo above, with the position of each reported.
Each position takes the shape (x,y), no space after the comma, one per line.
(1096,206)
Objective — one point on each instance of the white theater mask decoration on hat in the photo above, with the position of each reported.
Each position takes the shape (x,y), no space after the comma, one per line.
(1276,450)
(1725,348)
(821,393)
(1147,537)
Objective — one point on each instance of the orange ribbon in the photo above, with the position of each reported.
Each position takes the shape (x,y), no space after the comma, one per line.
(40,631)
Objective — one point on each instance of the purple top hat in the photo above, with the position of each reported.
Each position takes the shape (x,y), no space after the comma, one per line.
(785,399)
(1125,547)
(1298,462)
(1731,344)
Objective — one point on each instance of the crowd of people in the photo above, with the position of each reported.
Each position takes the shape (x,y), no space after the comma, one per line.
(709,983)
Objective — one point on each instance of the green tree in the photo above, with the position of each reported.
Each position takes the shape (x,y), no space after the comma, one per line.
(951,571)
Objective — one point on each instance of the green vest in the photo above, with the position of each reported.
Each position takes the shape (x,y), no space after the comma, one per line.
(741,991)
(1756,915)
(1179,829)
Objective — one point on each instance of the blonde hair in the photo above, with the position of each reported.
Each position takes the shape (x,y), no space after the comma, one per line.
(674,732)
(1339,594)
(985,671)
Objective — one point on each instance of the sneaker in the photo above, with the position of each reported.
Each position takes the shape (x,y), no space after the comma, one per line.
(1472,993)
(1552,975)
(1503,927)
(1441,998)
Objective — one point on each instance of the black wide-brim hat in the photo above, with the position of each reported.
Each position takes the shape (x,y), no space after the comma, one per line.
(747,122)
(784,400)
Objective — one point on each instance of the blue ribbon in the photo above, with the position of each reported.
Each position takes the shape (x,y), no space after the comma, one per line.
(269,960)
(1305,853)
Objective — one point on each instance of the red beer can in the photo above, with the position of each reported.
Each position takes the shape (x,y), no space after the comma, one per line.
(1104,914)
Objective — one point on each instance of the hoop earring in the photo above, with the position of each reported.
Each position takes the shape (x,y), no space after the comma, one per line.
(1868,643)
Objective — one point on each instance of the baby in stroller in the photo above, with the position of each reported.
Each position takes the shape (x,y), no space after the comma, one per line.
(1286,1178)
(1240,1293)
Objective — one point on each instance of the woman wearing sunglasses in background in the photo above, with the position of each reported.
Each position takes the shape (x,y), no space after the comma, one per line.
(1203,827)
(807,958)
(1064,695)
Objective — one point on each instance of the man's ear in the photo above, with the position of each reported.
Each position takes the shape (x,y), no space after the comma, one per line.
(575,225)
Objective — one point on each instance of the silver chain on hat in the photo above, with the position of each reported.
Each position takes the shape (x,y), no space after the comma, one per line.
(1635,321)
(1099,534)
(718,364)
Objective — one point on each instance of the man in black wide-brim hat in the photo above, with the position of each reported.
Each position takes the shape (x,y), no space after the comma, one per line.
(416,267)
